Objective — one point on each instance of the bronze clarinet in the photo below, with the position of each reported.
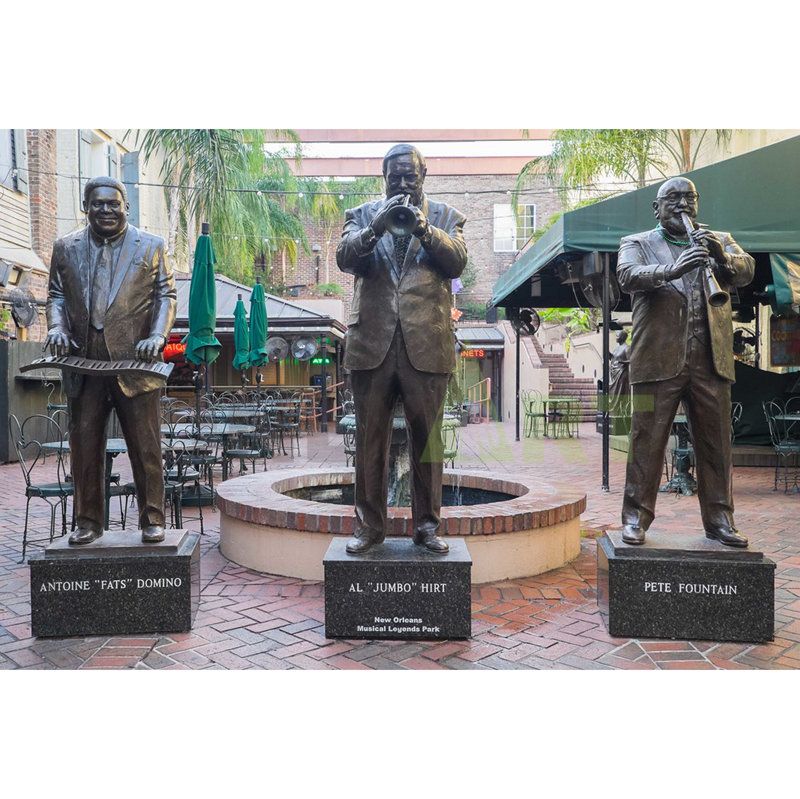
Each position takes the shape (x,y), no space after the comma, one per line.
(715,294)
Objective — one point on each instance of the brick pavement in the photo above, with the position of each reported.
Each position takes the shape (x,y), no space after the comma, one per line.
(249,620)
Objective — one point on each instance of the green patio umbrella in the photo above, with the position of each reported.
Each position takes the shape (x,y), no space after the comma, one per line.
(258,325)
(241,336)
(202,346)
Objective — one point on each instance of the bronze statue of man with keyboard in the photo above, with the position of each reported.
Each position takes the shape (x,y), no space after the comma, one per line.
(111,297)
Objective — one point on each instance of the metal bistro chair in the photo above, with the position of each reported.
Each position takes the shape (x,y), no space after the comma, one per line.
(252,446)
(178,472)
(289,424)
(450,445)
(350,446)
(308,411)
(28,438)
(533,405)
(212,432)
(787,449)
(736,416)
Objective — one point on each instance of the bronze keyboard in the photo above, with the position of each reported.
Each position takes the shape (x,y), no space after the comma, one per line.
(89,366)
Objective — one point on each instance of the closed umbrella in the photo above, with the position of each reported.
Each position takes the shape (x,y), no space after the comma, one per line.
(258,325)
(241,336)
(202,346)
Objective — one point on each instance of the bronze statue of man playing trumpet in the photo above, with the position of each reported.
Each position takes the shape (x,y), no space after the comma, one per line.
(404,252)
(682,350)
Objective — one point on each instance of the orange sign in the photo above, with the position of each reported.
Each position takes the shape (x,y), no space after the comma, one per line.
(173,349)
(473,353)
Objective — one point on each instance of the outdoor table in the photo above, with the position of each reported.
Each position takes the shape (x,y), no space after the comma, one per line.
(399,422)
(189,429)
(791,419)
(682,480)
(114,447)
(554,414)
(237,413)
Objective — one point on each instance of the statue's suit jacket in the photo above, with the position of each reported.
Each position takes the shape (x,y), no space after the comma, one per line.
(661,308)
(418,293)
(142,301)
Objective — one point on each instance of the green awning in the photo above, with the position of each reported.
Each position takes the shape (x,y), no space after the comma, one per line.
(755,196)
(784,293)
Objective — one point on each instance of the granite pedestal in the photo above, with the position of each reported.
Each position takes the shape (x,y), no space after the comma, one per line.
(116,585)
(397,590)
(684,586)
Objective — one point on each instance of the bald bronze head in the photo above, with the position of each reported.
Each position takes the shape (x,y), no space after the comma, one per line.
(404,172)
(676,196)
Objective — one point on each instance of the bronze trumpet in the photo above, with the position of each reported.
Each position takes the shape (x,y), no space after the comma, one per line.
(715,294)
(400,221)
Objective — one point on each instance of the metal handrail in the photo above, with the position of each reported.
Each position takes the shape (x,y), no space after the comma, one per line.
(477,390)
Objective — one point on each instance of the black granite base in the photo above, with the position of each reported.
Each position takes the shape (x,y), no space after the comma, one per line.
(684,587)
(398,590)
(116,585)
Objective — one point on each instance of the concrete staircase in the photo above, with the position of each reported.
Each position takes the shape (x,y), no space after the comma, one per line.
(564,384)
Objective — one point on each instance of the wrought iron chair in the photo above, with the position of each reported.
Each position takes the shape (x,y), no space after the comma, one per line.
(178,472)
(308,411)
(787,449)
(533,406)
(29,439)
(288,424)
(450,445)
(736,416)
(350,446)
(251,447)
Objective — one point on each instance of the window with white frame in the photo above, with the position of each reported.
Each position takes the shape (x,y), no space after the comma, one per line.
(13,160)
(97,156)
(512,231)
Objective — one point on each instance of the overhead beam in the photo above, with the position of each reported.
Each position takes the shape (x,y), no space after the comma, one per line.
(414,134)
(363,167)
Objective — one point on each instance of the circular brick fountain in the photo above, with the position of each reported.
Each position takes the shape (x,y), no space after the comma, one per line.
(532,528)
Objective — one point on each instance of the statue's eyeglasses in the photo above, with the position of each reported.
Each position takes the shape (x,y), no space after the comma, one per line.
(675,196)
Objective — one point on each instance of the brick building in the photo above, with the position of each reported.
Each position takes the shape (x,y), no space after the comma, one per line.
(479,186)
(42,175)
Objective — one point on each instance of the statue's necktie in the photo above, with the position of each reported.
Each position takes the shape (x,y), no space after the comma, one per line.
(101,286)
(400,249)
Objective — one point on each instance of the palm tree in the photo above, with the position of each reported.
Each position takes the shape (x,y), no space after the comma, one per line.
(325,201)
(220,175)
(580,158)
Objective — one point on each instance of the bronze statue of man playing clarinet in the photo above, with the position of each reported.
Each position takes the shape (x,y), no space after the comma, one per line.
(111,297)
(682,350)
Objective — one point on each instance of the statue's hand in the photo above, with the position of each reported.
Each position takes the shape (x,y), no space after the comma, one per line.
(422,226)
(58,341)
(148,348)
(378,224)
(711,242)
(691,258)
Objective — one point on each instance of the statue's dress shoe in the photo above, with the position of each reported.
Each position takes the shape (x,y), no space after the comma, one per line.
(360,544)
(633,534)
(729,536)
(152,534)
(431,542)
(83,535)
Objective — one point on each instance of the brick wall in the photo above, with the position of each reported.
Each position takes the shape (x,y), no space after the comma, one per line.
(42,185)
(473,195)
